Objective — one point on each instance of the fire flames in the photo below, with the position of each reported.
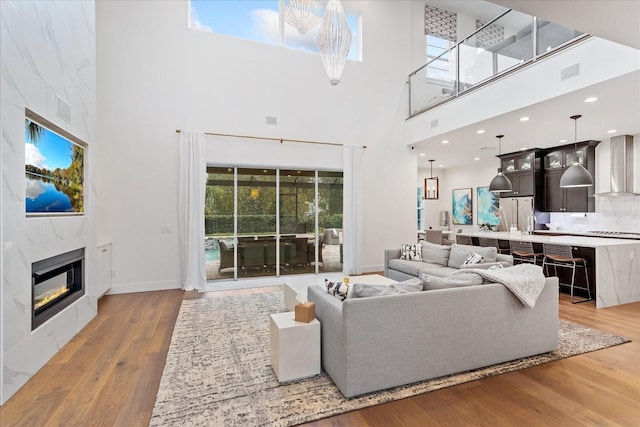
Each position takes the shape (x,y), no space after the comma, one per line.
(50,296)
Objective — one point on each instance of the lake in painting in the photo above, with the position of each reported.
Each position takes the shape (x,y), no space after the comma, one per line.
(43,196)
(54,171)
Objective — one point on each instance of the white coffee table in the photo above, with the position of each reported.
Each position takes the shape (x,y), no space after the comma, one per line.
(295,347)
(296,293)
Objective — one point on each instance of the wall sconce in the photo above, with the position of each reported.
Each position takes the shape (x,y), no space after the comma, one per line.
(431,186)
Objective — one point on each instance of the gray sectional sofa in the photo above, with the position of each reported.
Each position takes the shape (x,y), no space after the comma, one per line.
(379,342)
(439,260)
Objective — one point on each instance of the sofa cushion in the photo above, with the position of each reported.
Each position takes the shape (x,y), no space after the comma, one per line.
(337,289)
(459,254)
(362,290)
(454,281)
(435,254)
(410,267)
(436,271)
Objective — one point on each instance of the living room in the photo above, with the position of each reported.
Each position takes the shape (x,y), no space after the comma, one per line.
(133,73)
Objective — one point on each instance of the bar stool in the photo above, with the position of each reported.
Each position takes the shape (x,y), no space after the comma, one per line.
(523,252)
(463,240)
(490,242)
(561,256)
(434,236)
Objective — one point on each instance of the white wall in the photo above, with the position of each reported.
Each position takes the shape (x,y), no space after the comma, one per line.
(155,75)
(480,175)
(47,50)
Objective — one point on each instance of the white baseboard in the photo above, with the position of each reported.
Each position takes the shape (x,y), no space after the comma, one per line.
(129,288)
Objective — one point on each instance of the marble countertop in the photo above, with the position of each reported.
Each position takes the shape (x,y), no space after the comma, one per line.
(584,241)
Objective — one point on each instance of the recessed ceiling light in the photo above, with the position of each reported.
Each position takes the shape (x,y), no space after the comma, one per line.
(523,148)
(524,119)
(612,131)
(480,131)
(476,158)
(422,154)
(591,99)
(441,166)
(445,141)
(563,140)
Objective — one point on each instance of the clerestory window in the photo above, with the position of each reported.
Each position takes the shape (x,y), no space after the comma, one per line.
(262,21)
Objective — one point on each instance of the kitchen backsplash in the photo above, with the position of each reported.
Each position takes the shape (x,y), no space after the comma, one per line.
(612,214)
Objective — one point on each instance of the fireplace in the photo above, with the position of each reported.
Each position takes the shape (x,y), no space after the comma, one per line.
(56,283)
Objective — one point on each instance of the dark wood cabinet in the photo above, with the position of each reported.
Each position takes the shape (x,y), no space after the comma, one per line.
(524,171)
(556,161)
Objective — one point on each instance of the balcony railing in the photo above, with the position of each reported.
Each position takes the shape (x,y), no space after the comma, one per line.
(508,42)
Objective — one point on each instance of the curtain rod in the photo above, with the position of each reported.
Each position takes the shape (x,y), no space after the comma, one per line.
(280,140)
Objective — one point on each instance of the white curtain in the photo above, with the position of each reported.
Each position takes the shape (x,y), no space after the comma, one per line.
(193,178)
(352,235)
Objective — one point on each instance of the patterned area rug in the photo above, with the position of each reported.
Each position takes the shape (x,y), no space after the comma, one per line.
(218,371)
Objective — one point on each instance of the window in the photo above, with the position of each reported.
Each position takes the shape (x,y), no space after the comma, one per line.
(263,222)
(261,21)
(437,48)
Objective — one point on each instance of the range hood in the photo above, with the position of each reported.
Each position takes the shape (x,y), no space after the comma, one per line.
(621,151)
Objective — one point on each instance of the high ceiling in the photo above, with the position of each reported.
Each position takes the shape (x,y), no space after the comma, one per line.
(617,108)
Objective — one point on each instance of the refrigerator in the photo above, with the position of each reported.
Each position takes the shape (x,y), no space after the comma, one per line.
(518,212)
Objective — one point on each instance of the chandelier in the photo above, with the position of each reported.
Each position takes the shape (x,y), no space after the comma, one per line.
(303,15)
(334,40)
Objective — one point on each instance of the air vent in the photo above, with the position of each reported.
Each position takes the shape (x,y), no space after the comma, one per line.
(272,120)
(434,123)
(64,109)
(570,71)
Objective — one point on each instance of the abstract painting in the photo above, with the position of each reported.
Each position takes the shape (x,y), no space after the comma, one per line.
(462,206)
(488,205)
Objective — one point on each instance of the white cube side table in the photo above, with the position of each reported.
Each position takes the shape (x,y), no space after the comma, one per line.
(295,347)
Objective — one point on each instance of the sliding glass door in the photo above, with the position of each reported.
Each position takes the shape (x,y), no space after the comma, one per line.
(272,222)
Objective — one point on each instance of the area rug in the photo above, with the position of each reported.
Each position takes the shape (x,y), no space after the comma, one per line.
(218,371)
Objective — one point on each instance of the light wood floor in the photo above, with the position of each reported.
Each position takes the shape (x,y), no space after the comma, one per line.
(108,375)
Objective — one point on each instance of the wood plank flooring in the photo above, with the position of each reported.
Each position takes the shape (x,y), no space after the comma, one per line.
(108,375)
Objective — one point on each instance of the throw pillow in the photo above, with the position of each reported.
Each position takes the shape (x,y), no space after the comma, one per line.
(453,281)
(473,258)
(459,254)
(411,252)
(337,289)
(363,290)
(435,254)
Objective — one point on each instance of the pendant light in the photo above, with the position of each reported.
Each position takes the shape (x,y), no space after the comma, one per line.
(303,15)
(500,183)
(576,175)
(431,187)
(334,40)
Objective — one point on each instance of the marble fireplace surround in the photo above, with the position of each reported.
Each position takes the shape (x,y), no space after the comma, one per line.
(48,52)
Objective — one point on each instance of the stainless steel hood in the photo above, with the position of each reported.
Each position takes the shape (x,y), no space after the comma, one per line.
(621,151)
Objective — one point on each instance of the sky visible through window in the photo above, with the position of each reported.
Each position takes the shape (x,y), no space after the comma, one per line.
(258,21)
(51,151)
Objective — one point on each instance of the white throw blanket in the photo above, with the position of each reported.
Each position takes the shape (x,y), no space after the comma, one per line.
(526,281)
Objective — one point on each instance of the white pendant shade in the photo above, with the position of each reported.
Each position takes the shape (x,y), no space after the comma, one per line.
(334,40)
(303,15)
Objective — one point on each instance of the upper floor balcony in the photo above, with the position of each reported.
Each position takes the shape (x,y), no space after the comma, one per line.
(501,46)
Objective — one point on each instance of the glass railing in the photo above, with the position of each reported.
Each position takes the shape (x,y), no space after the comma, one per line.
(507,42)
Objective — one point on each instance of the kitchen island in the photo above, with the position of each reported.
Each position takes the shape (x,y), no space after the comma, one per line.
(615,271)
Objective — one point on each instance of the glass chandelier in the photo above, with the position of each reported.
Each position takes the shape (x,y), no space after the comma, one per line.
(303,15)
(334,40)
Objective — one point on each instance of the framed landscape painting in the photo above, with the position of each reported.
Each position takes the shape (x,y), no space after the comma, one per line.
(488,205)
(462,206)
